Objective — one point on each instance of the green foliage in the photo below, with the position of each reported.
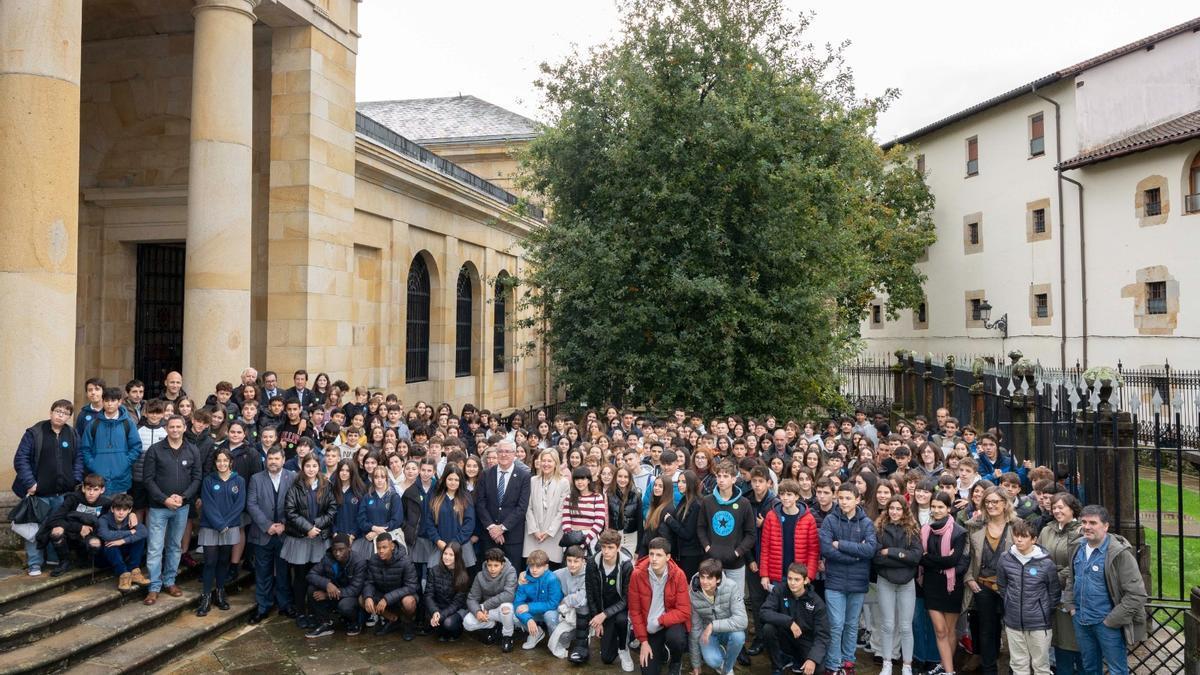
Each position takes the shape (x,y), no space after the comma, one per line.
(720,214)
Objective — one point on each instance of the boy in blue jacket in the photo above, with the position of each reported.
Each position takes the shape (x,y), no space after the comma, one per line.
(847,548)
(537,597)
(110,444)
(124,542)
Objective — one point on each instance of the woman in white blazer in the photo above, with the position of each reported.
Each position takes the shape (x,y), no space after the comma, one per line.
(543,517)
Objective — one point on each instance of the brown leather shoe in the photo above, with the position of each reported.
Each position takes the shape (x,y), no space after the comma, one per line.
(151,598)
(173,591)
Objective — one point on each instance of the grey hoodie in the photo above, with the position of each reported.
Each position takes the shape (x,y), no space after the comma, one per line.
(488,592)
(574,587)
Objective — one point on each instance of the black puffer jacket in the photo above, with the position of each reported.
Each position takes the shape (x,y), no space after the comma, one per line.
(295,506)
(440,594)
(391,579)
(629,518)
(900,564)
(594,580)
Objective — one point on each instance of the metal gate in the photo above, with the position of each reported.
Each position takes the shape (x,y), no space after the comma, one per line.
(158,331)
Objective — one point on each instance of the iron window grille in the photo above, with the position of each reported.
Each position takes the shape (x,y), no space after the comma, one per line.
(1156,297)
(416,354)
(462,333)
(1153,202)
(500,317)
(1039,221)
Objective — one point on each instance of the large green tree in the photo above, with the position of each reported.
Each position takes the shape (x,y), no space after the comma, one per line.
(720,212)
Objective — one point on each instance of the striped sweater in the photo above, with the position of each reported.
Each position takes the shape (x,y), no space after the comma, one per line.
(589,516)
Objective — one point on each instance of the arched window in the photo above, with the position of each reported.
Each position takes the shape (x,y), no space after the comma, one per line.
(1192,201)
(500,313)
(462,334)
(416,356)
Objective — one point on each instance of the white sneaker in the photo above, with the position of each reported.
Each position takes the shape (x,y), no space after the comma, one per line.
(533,640)
(35,571)
(626,660)
(886,668)
(906,669)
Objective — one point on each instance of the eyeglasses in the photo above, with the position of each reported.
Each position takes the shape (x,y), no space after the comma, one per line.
(63,413)
(994,502)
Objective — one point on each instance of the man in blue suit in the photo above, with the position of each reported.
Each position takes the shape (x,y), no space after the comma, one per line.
(265,504)
(501,497)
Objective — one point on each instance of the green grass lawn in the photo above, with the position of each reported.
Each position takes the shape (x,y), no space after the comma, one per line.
(1149,498)
(1170,565)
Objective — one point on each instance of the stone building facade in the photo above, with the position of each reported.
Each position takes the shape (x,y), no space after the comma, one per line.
(187,184)
(1071,205)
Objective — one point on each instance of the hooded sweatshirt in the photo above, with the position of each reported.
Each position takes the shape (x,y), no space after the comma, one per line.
(574,587)
(488,592)
(727,529)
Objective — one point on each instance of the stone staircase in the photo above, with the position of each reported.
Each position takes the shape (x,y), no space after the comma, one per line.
(81,623)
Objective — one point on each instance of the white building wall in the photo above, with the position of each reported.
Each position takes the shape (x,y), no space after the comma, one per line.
(1139,90)
(1118,245)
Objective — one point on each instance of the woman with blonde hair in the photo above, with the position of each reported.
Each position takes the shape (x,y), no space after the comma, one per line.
(988,543)
(543,516)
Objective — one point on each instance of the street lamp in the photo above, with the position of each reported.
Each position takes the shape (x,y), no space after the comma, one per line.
(1001,324)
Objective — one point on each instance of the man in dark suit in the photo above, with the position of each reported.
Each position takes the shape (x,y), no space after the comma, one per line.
(270,388)
(300,391)
(264,502)
(501,497)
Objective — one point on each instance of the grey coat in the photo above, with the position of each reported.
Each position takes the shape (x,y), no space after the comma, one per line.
(727,613)
(1060,544)
(1030,590)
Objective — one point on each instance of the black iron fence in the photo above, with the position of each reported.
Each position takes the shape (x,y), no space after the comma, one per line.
(1128,439)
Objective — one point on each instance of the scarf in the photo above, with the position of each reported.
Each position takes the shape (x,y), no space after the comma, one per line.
(945,532)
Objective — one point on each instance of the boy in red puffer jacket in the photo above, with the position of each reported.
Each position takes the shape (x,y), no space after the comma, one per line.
(789,534)
(660,609)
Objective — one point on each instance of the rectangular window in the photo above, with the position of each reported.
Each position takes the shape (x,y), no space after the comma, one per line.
(972,156)
(876,314)
(976,309)
(921,318)
(1152,199)
(1156,297)
(921,164)
(1037,135)
(973,234)
(1039,221)
(1042,305)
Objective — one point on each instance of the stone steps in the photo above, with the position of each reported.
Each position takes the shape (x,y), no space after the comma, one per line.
(168,641)
(75,622)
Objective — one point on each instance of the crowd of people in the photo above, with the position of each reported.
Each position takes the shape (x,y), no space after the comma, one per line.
(812,545)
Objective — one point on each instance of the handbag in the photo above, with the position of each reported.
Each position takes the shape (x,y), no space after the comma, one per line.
(30,510)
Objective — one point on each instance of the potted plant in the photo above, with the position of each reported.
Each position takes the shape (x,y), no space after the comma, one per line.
(1103,379)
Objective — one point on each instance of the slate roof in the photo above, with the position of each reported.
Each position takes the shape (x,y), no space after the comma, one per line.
(1173,131)
(454,119)
(1070,71)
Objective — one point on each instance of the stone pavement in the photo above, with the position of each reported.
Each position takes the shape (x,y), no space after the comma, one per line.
(278,646)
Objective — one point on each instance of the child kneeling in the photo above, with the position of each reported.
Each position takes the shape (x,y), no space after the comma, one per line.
(490,600)
(124,542)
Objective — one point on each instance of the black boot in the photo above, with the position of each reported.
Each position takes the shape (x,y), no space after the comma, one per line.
(205,605)
(743,658)
(755,648)
(578,653)
(219,599)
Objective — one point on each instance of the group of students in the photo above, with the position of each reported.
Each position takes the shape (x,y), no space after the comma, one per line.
(671,537)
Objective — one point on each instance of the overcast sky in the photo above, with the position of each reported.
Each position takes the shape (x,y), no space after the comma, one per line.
(943,56)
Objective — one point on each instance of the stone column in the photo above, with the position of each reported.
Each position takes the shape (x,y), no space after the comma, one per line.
(39,210)
(216,318)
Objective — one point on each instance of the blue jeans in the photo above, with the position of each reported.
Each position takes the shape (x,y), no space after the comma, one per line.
(550,618)
(166,528)
(272,587)
(1067,662)
(844,609)
(1096,642)
(125,558)
(33,554)
(722,650)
